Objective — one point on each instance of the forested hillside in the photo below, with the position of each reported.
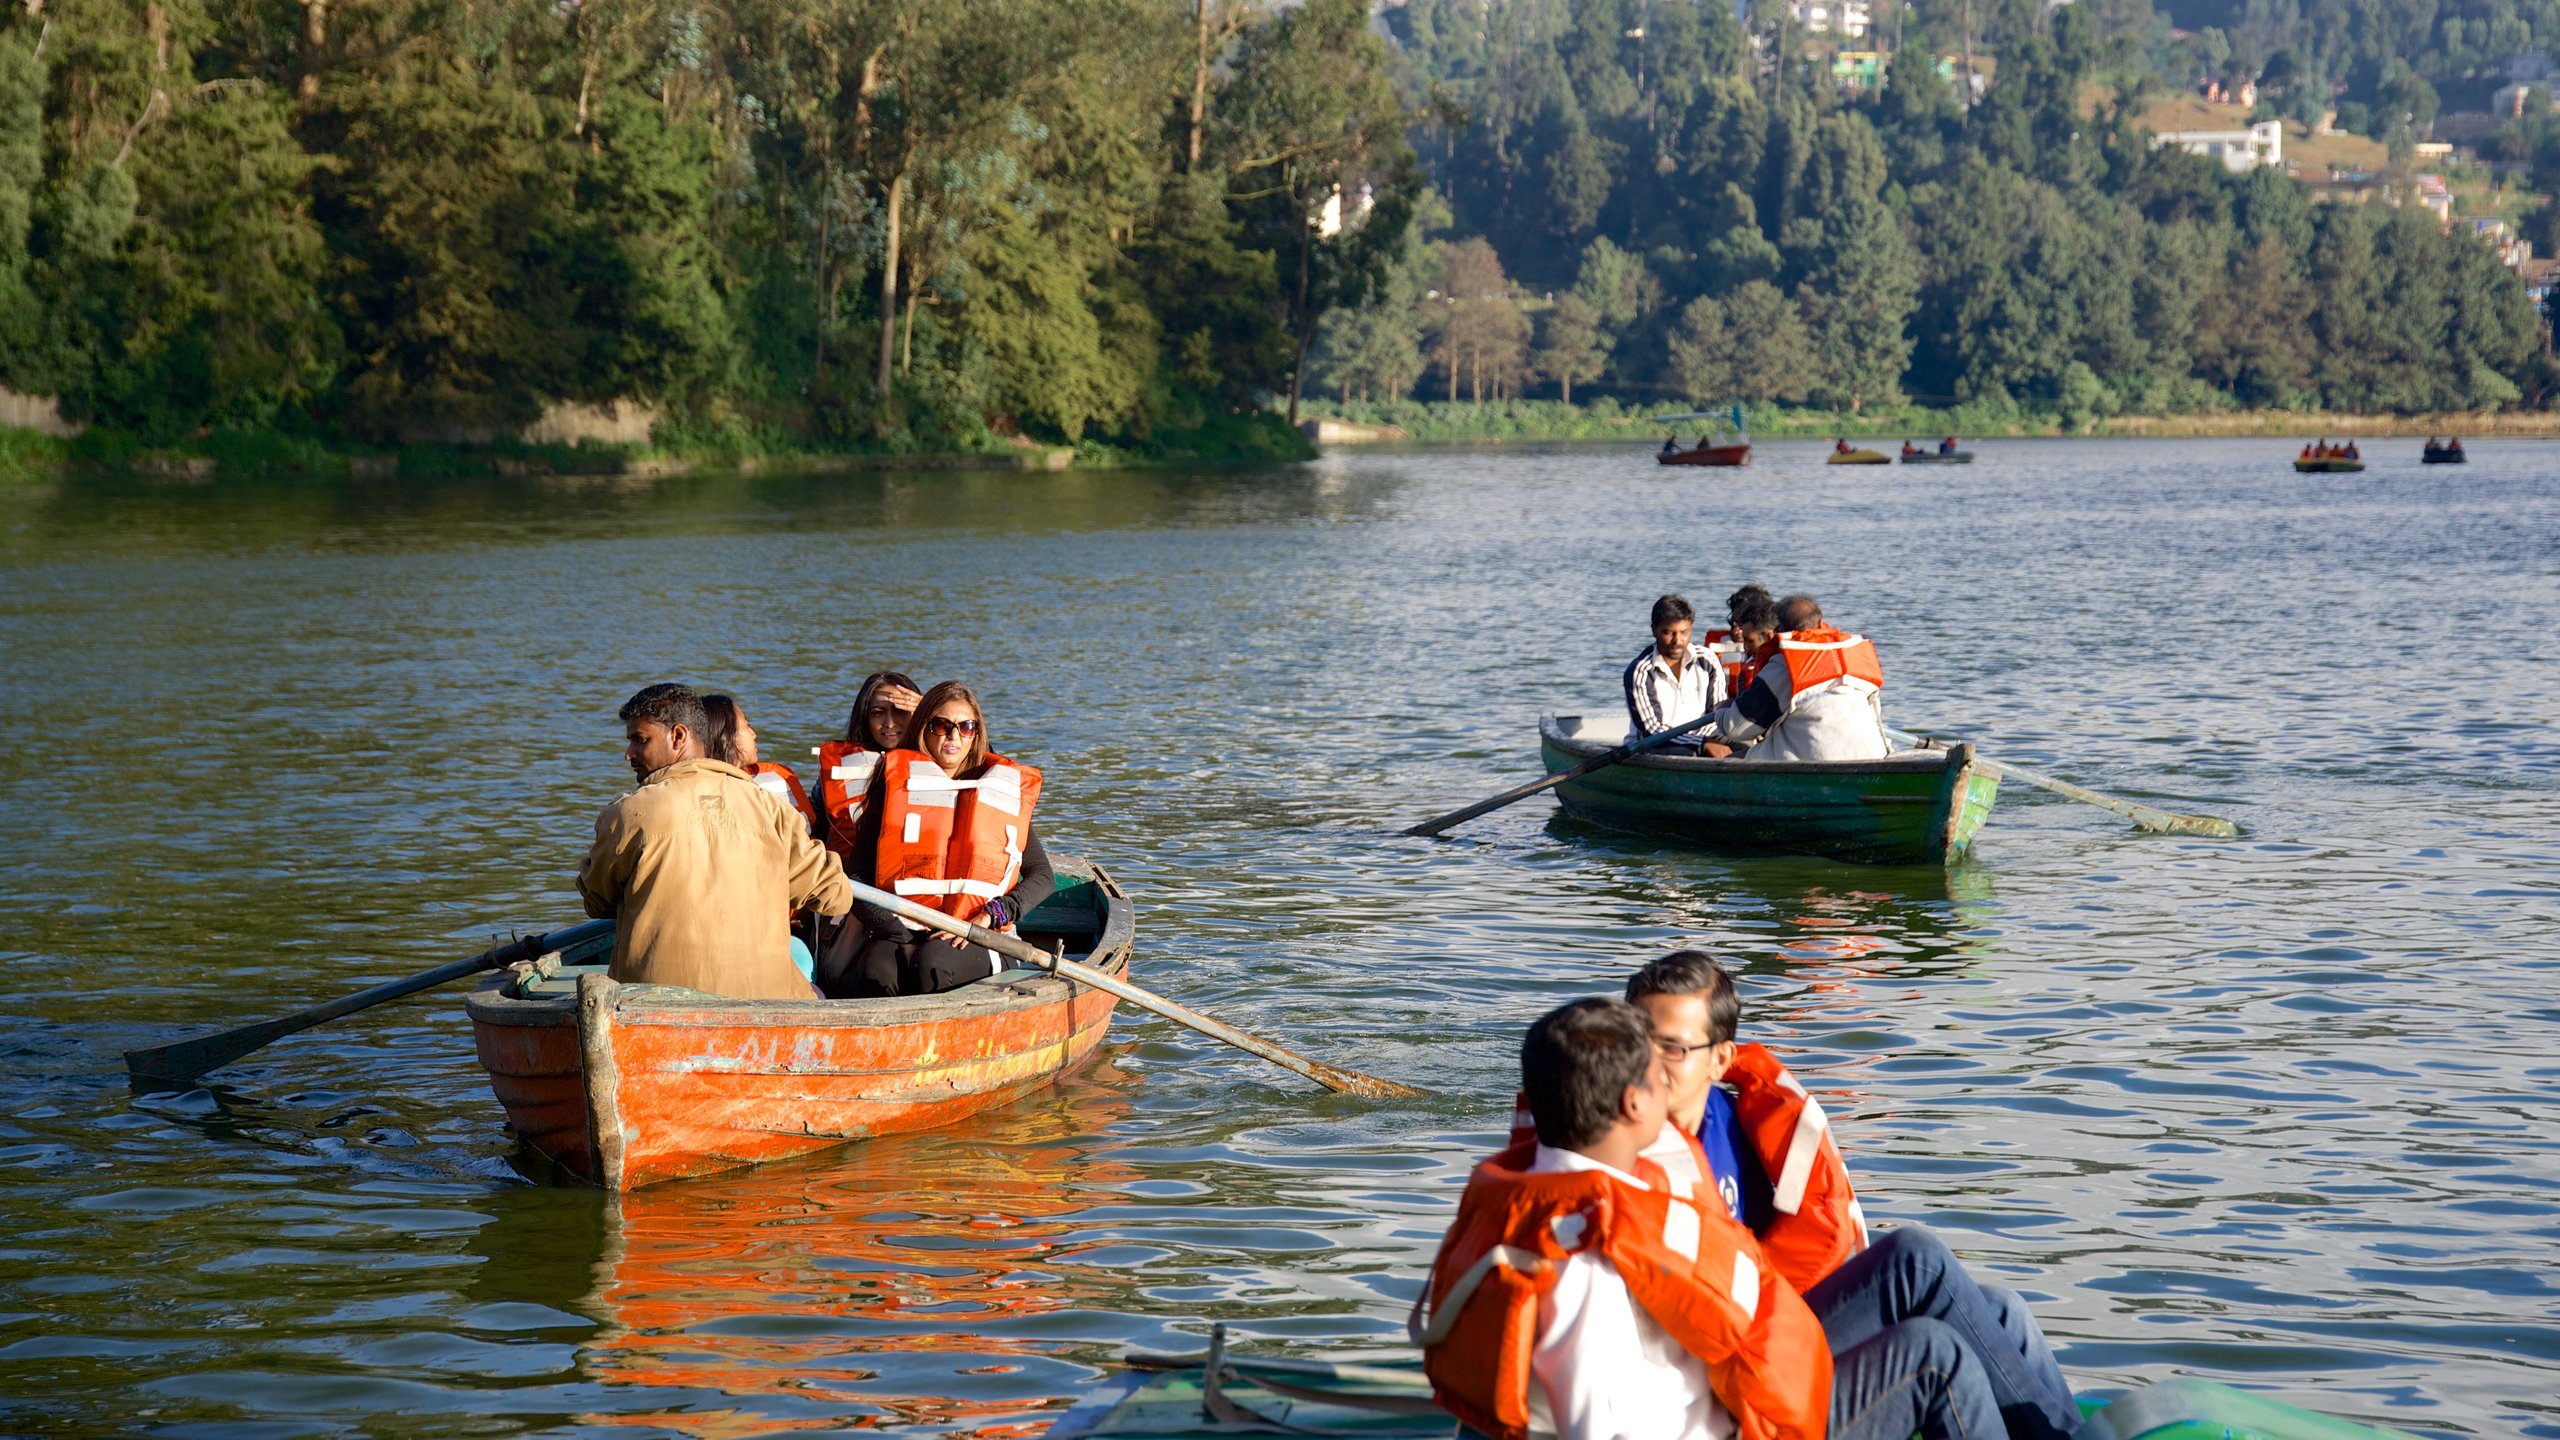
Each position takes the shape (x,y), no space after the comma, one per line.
(865,221)
(901,225)
(1718,226)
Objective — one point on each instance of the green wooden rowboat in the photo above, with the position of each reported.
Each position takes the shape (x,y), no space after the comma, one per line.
(1169,1397)
(1915,808)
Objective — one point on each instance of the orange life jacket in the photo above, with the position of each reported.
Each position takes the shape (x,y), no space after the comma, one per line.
(1751,666)
(844,782)
(1822,658)
(785,787)
(1695,1271)
(1728,653)
(1816,1222)
(953,844)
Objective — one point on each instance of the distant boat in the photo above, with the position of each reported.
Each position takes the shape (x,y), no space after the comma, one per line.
(2450,454)
(1711,449)
(1857,457)
(2327,464)
(1911,456)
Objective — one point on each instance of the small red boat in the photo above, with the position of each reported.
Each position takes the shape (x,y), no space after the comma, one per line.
(1712,448)
(629,1085)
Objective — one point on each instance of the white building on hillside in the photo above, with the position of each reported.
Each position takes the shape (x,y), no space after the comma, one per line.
(1833,17)
(2238,150)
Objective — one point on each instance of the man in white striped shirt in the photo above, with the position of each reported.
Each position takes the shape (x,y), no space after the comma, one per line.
(1674,681)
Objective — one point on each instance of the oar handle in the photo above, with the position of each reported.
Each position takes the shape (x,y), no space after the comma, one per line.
(2143,816)
(1331,1077)
(1628,751)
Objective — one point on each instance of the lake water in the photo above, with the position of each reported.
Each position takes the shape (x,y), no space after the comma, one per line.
(2277,1111)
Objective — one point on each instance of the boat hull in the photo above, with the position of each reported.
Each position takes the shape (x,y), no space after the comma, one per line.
(1173,1398)
(1915,808)
(2443,457)
(2328,467)
(1961,457)
(1857,457)
(1730,456)
(630,1085)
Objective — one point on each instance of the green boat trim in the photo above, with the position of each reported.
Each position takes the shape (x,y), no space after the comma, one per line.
(1917,807)
(1168,1397)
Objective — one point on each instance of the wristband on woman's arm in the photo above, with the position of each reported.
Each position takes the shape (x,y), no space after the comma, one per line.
(998,916)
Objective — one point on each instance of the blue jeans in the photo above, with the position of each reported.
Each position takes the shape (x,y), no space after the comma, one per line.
(1917,1345)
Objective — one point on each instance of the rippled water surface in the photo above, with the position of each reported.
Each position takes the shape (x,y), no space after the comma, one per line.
(2277,1111)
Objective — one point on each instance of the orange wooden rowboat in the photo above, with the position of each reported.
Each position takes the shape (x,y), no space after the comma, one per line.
(629,1085)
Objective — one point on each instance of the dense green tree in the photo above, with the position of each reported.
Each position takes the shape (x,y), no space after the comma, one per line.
(1748,346)
(1571,344)
(1311,136)
(1857,302)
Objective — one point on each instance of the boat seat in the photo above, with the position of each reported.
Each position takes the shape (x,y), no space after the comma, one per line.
(1606,726)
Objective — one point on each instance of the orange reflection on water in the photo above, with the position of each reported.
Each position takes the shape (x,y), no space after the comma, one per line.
(833,1293)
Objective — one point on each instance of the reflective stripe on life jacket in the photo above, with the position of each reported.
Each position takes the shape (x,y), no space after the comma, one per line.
(1815,1222)
(1827,659)
(784,786)
(953,844)
(1698,1274)
(844,781)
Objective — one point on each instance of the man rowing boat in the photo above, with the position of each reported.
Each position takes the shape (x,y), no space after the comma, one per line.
(700,869)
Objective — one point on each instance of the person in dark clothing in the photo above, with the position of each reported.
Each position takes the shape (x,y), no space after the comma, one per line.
(878,953)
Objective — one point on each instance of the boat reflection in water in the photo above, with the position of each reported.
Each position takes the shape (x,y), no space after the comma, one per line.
(902,1282)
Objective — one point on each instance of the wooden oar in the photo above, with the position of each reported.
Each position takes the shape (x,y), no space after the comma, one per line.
(184,1062)
(1596,762)
(2143,816)
(1331,1077)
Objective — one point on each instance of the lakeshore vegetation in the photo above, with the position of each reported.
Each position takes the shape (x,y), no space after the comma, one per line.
(1164,224)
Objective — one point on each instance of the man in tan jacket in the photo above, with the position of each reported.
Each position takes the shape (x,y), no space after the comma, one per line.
(700,868)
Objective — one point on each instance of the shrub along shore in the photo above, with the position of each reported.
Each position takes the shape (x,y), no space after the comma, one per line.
(27,455)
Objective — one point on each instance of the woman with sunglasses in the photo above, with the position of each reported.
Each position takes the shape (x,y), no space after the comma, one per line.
(881,710)
(946,823)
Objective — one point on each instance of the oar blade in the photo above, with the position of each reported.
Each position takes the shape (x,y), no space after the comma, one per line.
(1352,1082)
(181,1063)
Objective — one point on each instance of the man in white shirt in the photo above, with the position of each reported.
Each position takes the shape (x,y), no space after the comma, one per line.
(1674,680)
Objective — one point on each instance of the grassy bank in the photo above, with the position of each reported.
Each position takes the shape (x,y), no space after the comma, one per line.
(1459,422)
(28,455)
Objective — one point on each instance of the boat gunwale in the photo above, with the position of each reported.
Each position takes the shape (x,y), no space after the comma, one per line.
(670,1005)
(1900,762)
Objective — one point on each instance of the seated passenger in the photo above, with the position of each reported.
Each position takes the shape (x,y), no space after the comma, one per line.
(1947,446)
(1816,694)
(1768,1145)
(946,823)
(1643,1312)
(698,869)
(732,741)
(881,709)
(1725,643)
(1674,680)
